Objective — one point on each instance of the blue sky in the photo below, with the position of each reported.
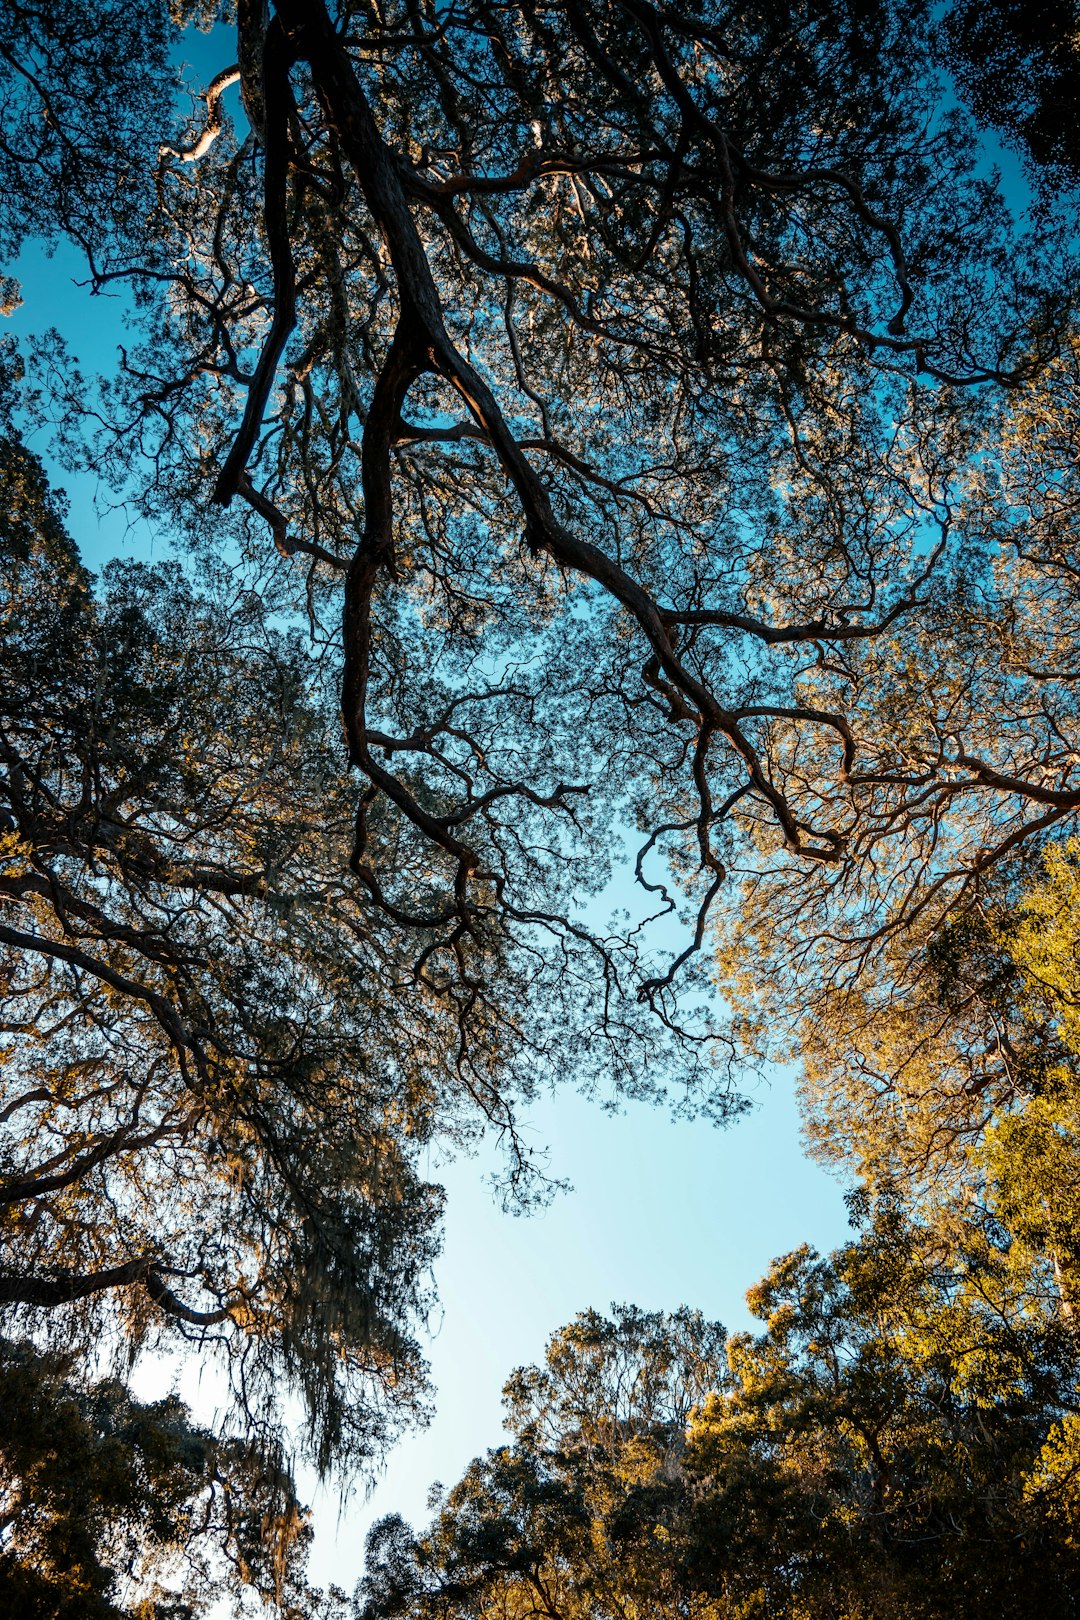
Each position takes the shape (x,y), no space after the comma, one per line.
(661,1213)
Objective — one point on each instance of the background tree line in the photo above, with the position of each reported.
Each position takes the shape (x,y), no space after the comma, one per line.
(579,415)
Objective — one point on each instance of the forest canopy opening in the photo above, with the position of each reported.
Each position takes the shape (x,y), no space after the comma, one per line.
(572,418)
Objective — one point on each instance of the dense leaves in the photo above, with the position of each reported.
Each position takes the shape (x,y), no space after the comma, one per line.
(615,418)
(962,1096)
(1019,62)
(892,1444)
(583,1513)
(212,1097)
(115,1507)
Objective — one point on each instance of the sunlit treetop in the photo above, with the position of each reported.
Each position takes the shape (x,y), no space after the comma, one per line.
(890,1442)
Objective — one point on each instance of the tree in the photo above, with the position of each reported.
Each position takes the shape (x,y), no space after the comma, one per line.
(1033,1150)
(894,1443)
(220,1065)
(114,1507)
(218,1071)
(961,1094)
(624,426)
(583,1514)
(83,91)
(1019,64)
(978,702)
(883,1449)
(605,372)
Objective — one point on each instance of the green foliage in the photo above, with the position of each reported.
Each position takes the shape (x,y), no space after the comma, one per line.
(1032,1152)
(112,1507)
(894,1443)
(584,1513)
(957,1088)
(903,1437)
(876,1453)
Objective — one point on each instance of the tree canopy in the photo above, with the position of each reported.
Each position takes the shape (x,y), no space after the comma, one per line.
(606,373)
(1019,65)
(594,431)
(889,1445)
(114,1507)
(198,1110)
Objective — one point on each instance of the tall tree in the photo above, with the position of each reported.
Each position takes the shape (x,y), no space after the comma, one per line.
(583,1514)
(220,1064)
(894,1443)
(962,1095)
(111,1507)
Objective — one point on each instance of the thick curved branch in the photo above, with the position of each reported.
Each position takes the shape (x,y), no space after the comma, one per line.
(214,119)
(421,342)
(49,1292)
(277,60)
